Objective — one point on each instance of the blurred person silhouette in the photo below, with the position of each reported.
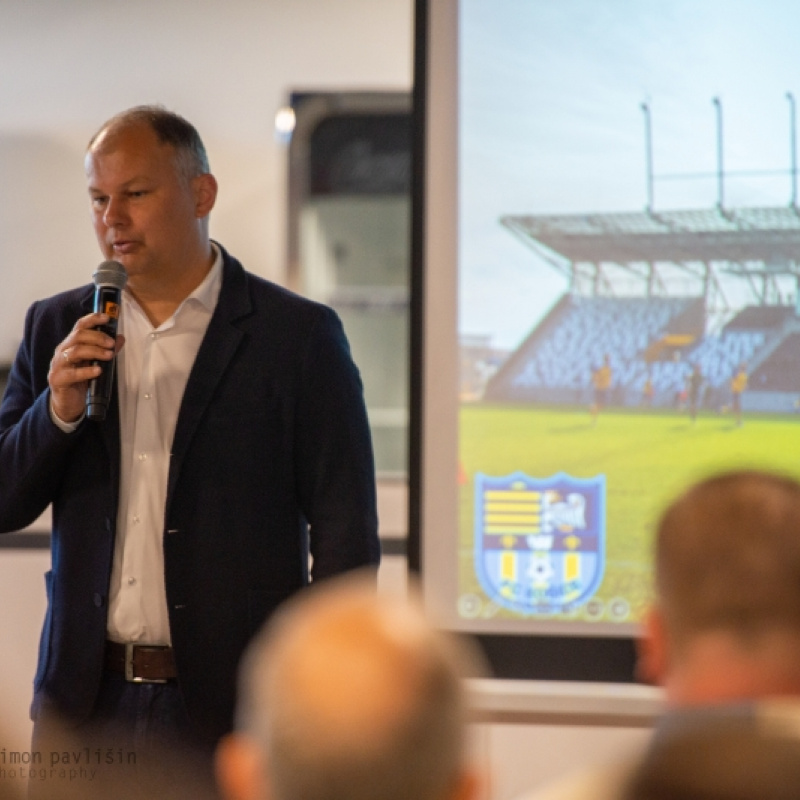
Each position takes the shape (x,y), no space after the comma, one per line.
(725,624)
(727,758)
(694,383)
(350,695)
(602,378)
(738,386)
(648,392)
(73,767)
(722,637)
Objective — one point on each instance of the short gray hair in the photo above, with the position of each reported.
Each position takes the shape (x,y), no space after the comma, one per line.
(728,556)
(170,128)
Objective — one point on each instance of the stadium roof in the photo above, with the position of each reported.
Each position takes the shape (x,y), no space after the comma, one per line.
(767,235)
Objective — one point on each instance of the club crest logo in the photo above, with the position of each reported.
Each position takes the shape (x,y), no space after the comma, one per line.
(539,544)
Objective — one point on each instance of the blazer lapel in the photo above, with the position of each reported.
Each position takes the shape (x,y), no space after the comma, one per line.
(218,347)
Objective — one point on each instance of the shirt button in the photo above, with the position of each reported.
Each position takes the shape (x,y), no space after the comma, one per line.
(131,581)
(142,456)
(147,395)
(135,520)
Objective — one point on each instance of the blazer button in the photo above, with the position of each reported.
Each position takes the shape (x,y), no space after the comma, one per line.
(97,599)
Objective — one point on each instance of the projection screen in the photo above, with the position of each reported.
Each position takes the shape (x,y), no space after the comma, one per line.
(605,307)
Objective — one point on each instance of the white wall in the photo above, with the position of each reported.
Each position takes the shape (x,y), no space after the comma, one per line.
(227,65)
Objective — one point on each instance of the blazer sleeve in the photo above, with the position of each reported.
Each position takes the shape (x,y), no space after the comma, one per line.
(335,464)
(33,450)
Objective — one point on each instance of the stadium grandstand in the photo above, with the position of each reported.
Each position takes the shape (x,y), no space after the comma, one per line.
(662,294)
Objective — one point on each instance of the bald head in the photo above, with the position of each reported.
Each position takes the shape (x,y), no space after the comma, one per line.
(356,664)
(353,695)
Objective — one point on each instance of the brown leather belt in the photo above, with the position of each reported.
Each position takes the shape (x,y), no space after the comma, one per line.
(141,663)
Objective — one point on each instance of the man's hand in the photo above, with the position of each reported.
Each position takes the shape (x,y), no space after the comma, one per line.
(71,367)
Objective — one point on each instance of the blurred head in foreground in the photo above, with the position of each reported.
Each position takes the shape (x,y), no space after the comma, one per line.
(350,695)
(725,624)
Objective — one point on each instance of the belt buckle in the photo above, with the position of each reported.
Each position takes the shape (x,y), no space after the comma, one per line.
(129,676)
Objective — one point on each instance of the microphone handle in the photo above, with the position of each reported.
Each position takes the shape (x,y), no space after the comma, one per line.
(106,301)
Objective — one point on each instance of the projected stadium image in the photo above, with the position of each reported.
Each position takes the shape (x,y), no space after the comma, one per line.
(613,403)
(629,314)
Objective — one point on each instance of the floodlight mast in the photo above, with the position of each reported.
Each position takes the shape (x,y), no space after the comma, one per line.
(648,143)
(793,145)
(720,161)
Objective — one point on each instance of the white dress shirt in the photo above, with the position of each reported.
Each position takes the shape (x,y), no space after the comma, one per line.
(153,368)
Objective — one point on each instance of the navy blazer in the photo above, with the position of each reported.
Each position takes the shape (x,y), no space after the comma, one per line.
(271,457)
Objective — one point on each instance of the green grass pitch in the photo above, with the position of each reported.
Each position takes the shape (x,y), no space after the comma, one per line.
(647,458)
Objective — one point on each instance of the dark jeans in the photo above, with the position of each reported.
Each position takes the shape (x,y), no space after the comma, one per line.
(137,745)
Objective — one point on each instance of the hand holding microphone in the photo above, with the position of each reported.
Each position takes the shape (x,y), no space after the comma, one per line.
(81,373)
(109,280)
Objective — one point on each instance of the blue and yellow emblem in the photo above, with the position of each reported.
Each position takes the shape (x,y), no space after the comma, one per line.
(539,544)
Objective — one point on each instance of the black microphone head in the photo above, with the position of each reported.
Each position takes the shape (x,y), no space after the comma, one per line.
(110,273)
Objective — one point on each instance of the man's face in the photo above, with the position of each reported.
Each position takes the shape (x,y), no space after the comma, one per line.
(145,213)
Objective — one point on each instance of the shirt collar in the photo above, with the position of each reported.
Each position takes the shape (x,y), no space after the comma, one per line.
(207,292)
(205,295)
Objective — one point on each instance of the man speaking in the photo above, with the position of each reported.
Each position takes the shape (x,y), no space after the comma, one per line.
(235,445)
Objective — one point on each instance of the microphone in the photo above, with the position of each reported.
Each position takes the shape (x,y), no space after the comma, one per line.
(109,280)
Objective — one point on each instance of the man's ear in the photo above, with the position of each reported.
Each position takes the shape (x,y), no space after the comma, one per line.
(652,649)
(205,194)
(239,768)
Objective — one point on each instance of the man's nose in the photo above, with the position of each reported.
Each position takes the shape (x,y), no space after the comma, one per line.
(115,213)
